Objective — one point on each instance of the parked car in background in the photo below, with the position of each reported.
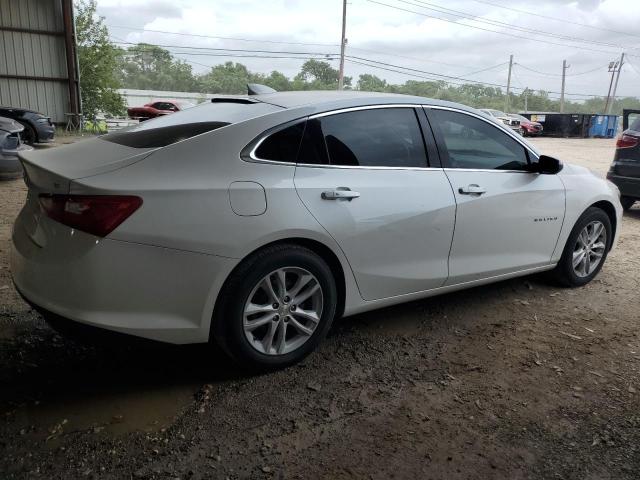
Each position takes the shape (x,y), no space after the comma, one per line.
(10,145)
(288,210)
(38,128)
(529,128)
(625,168)
(501,117)
(158,108)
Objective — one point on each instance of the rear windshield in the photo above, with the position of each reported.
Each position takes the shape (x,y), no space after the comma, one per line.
(168,129)
(635,124)
(160,137)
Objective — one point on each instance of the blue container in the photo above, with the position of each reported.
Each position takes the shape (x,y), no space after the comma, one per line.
(603,126)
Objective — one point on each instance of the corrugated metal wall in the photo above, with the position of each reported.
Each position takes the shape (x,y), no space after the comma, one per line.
(40,55)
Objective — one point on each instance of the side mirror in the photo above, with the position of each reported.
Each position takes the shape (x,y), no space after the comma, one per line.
(547,165)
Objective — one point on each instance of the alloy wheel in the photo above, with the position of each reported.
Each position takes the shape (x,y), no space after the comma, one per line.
(589,248)
(282,311)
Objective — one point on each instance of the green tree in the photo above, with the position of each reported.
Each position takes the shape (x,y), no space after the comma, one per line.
(98,61)
(370,83)
(149,67)
(229,77)
(318,75)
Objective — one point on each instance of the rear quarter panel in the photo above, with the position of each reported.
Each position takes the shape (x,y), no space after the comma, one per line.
(186,198)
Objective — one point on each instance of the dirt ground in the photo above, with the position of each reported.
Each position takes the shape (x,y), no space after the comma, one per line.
(516,380)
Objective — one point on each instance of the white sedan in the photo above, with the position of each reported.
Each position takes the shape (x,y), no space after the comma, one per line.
(253,222)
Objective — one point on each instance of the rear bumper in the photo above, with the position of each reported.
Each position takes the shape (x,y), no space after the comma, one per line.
(46,133)
(10,166)
(628,186)
(151,292)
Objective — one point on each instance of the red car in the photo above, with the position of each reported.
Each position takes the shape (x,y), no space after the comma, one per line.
(528,127)
(158,108)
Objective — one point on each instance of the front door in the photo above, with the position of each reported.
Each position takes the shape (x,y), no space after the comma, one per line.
(363,175)
(508,219)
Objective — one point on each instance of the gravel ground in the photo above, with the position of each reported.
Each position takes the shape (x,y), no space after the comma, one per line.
(516,380)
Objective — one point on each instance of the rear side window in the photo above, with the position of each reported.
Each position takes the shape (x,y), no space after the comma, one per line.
(385,137)
(282,145)
(472,143)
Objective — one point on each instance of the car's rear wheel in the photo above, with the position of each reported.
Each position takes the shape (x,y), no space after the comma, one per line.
(276,307)
(627,202)
(586,249)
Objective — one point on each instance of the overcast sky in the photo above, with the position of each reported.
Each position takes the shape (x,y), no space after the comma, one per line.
(403,38)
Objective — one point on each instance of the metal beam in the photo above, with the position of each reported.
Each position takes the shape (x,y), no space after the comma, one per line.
(34,77)
(31,30)
(72,63)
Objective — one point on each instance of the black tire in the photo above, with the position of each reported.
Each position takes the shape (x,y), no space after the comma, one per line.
(564,273)
(227,323)
(627,202)
(28,135)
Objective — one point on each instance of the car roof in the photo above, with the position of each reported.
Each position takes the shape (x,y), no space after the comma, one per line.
(331,99)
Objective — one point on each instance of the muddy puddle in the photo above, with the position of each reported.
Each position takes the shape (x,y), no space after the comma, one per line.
(117,412)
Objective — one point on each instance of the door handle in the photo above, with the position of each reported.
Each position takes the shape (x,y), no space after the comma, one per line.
(473,189)
(340,193)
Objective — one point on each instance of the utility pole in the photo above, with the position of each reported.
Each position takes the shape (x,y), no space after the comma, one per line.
(343,42)
(613,68)
(564,74)
(506,100)
(615,87)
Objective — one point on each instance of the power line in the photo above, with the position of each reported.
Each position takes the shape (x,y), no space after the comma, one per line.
(475,18)
(225,49)
(563,20)
(440,75)
(488,30)
(236,39)
(486,69)
(451,77)
(413,74)
(250,53)
(559,74)
(633,67)
(389,54)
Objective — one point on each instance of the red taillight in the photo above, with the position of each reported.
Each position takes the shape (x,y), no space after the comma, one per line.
(627,141)
(95,214)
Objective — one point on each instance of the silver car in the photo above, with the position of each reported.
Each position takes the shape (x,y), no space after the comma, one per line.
(499,116)
(10,144)
(253,222)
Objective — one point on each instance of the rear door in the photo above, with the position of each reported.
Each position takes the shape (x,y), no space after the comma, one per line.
(508,218)
(364,175)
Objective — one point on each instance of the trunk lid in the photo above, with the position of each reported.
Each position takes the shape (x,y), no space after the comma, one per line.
(52,170)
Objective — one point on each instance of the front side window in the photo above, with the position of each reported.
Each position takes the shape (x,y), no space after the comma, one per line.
(474,143)
(385,137)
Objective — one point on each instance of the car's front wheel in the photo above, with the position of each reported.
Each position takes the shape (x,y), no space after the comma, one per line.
(276,307)
(586,249)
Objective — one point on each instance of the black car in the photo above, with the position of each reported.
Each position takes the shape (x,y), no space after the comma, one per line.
(625,169)
(37,127)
